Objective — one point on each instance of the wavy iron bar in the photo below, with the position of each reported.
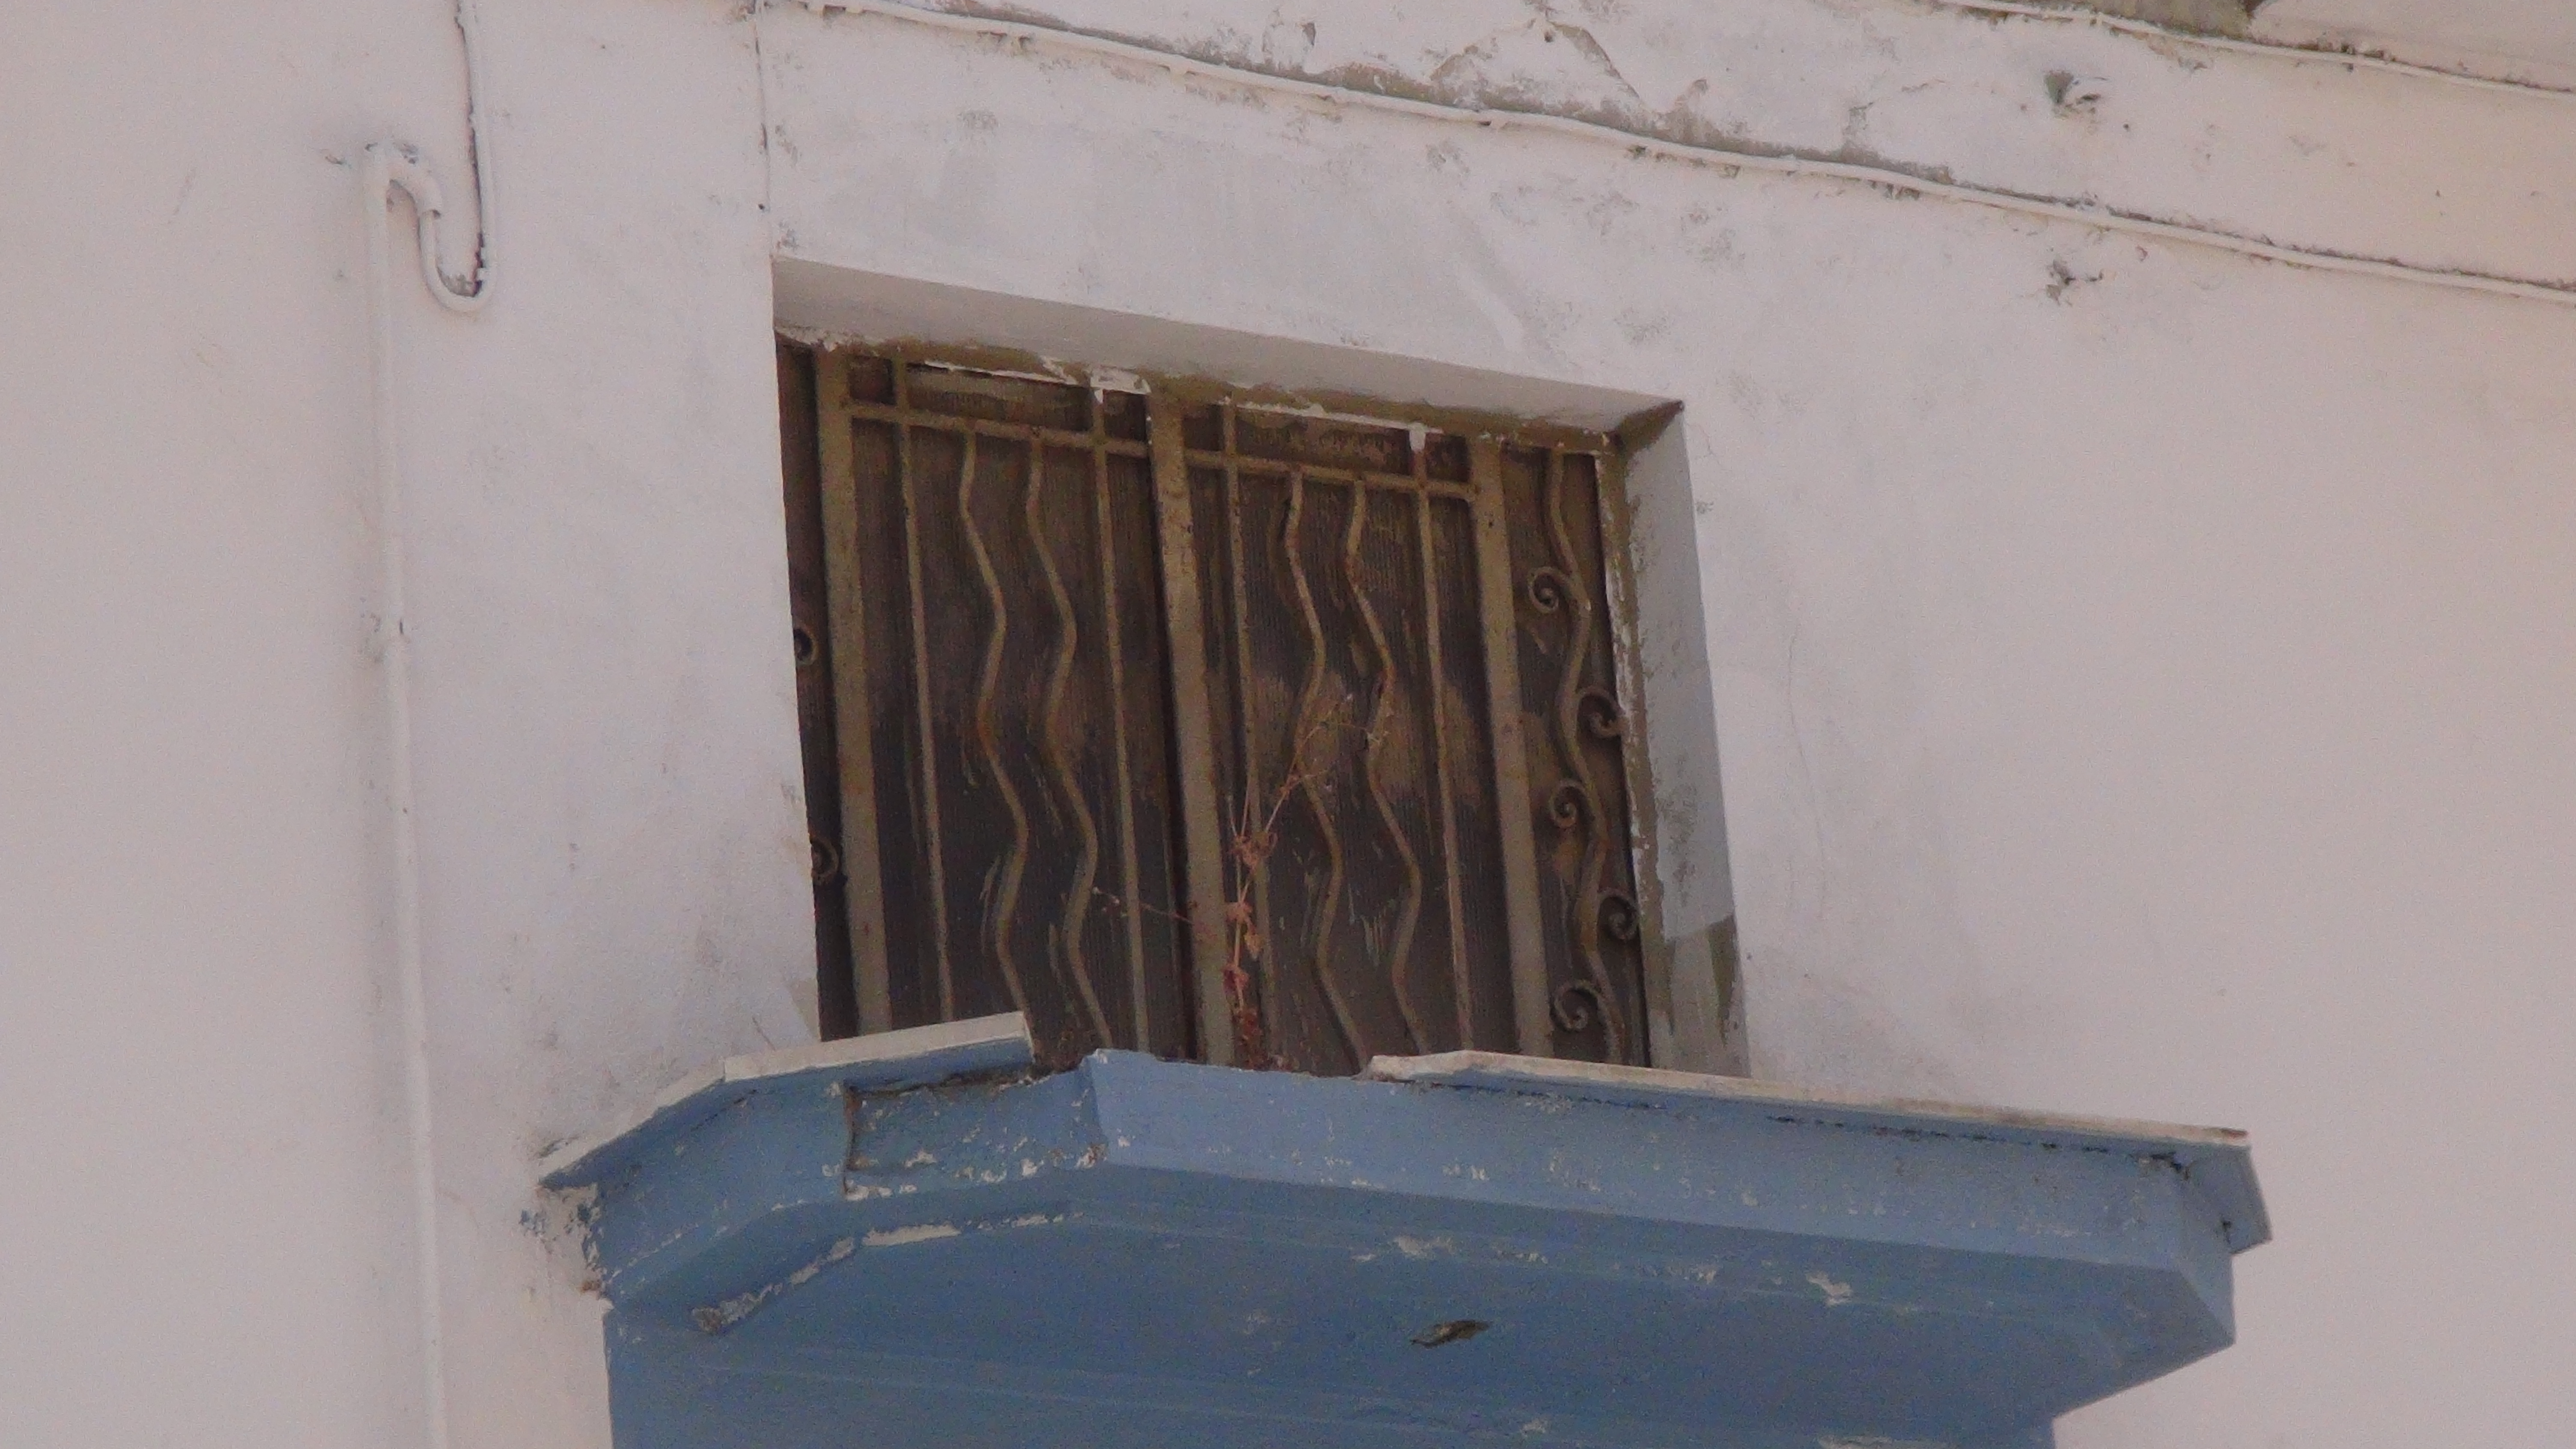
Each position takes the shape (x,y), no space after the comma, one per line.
(1398,958)
(1304,727)
(1002,880)
(1050,733)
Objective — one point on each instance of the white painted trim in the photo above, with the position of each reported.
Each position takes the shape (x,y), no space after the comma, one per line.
(888,1048)
(1617,1083)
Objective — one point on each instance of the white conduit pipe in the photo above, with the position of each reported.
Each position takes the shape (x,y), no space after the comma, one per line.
(1781,162)
(387,169)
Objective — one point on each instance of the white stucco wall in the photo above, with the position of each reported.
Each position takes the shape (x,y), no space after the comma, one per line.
(2141,673)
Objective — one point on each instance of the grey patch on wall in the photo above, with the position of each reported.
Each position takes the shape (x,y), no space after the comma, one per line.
(2063,279)
(2211,17)
(1706,1032)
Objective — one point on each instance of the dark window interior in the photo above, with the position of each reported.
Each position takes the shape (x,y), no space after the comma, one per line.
(1188,723)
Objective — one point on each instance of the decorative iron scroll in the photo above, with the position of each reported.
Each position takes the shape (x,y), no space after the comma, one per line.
(1218,730)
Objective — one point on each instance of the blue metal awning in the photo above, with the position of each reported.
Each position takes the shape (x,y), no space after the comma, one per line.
(904,1241)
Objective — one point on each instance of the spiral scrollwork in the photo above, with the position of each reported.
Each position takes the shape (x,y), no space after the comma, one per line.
(1548,589)
(1569,804)
(1618,916)
(1581,709)
(1601,717)
(1576,1006)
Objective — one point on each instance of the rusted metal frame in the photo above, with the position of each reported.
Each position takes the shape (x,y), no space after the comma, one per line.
(1184,630)
(1414,482)
(1255,816)
(1461,982)
(1399,955)
(864,881)
(933,856)
(1112,640)
(985,427)
(1308,780)
(1375,412)
(1511,760)
(1077,899)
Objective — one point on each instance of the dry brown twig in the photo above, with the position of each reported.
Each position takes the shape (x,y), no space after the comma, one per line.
(1250,845)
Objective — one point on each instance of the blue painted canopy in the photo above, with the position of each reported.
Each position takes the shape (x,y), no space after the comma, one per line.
(826,1251)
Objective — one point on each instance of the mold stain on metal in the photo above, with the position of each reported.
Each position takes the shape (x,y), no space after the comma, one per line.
(1455,1330)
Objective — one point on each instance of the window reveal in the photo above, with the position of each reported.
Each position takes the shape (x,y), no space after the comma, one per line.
(1123,687)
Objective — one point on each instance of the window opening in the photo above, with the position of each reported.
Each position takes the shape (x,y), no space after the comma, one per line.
(1187,722)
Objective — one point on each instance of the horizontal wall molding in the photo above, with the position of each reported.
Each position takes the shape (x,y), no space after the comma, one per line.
(2239,42)
(1727,155)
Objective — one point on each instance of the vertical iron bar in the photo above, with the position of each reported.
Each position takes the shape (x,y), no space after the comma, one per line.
(1201,824)
(1512,800)
(1459,979)
(921,692)
(1133,923)
(1255,819)
(864,882)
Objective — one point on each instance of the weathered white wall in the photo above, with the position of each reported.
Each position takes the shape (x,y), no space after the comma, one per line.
(2528,39)
(205,1235)
(2141,672)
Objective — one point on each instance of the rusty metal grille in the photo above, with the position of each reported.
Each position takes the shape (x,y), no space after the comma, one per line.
(1210,728)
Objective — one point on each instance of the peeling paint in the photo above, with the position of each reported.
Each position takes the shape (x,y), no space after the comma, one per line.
(722,1316)
(899,1237)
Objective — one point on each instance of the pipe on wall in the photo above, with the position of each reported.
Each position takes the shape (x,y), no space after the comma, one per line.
(390,168)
